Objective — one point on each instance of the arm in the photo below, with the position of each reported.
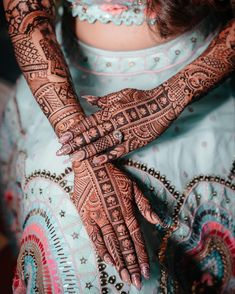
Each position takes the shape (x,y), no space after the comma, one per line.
(110,221)
(142,116)
(32,31)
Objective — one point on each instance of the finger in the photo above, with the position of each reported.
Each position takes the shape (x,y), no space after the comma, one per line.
(126,245)
(139,244)
(93,100)
(97,147)
(105,101)
(145,207)
(129,253)
(93,134)
(122,239)
(84,125)
(67,136)
(113,246)
(81,127)
(113,154)
(100,119)
(101,249)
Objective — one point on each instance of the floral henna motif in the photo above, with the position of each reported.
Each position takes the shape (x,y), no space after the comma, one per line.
(105,199)
(142,116)
(32,30)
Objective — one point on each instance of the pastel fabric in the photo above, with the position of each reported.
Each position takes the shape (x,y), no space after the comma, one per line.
(186,173)
(116,11)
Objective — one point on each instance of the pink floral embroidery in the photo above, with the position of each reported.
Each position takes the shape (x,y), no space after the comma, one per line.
(113,8)
(8,196)
(18,285)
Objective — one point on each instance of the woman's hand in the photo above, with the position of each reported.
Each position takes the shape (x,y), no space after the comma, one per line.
(130,118)
(105,199)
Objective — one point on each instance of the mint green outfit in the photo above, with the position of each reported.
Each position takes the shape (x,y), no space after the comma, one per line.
(187,173)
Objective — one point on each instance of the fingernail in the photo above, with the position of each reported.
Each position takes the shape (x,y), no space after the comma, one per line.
(80,155)
(125,276)
(155,218)
(145,271)
(89,98)
(65,138)
(108,259)
(64,150)
(99,159)
(136,281)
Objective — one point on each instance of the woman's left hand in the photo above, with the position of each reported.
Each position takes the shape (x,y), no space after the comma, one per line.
(131,118)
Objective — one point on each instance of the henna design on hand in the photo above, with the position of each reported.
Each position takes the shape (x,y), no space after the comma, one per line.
(105,199)
(142,116)
(105,203)
(32,31)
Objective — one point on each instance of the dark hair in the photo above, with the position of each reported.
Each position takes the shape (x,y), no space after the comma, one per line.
(177,16)
(173,18)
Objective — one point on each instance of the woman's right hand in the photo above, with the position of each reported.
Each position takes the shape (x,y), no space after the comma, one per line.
(132,118)
(105,199)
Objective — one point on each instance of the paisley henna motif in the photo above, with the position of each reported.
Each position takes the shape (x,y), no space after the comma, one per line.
(31,27)
(142,116)
(105,199)
(105,205)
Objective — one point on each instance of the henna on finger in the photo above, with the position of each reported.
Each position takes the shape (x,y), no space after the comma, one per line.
(104,196)
(31,26)
(77,139)
(113,154)
(90,150)
(142,116)
(95,234)
(145,208)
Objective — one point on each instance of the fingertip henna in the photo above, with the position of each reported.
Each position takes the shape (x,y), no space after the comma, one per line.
(124,275)
(108,259)
(145,271)
(93,100)
(66,137)
(65,150)
(136,281)
(100,160)
(155,218)
(142,116)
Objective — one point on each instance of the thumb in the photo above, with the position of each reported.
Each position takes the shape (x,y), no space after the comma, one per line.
(93,100)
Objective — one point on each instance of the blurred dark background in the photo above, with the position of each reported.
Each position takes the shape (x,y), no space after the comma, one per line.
(9,72)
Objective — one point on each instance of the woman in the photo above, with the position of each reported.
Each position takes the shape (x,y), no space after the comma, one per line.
(55,252)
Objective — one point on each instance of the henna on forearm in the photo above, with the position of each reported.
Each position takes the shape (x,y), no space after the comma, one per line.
(32,31)
(142,116)
(104,197)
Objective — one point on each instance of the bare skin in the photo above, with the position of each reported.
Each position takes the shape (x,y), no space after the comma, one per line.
(142,116)
(32,31)
(31,27)
(112,37)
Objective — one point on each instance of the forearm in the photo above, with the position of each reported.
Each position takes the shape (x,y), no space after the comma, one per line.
(141,116)
(199,77)
(32,31)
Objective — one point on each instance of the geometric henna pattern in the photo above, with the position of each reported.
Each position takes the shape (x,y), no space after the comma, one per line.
(105,199)
(31,27)
(142,116)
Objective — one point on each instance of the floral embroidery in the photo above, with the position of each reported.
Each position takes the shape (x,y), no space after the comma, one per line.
(113,8)
(128,12)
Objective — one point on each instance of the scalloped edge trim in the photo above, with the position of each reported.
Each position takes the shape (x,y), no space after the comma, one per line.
(128,18)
